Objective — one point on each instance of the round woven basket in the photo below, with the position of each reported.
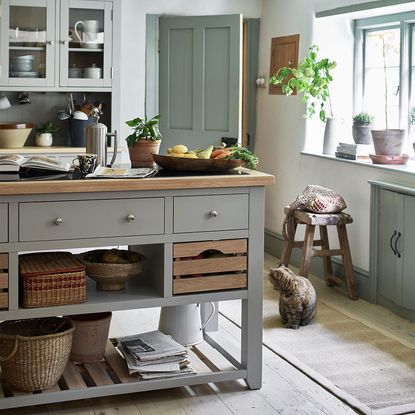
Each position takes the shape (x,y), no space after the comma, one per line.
(34,352)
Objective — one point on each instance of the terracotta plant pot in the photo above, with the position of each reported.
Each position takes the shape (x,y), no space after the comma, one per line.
(362,133)
(388,142)
(90,336)
(141,153)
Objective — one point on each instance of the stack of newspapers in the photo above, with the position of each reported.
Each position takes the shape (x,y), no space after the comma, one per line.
(154,355)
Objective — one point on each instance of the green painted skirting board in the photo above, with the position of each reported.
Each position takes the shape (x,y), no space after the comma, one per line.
(361,7)
(274,243)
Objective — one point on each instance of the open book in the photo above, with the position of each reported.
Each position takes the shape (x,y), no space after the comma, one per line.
(120,173)
(15,162)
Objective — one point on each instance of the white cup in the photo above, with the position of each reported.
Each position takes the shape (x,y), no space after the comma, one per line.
(4,103)
(93,72)
(90,30)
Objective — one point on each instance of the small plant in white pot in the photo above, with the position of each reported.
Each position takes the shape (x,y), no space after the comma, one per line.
(44,134)
(361,129)
(312,77)
(389,141)
(144,141)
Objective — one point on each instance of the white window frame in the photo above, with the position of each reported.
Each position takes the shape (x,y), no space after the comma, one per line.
(406,23)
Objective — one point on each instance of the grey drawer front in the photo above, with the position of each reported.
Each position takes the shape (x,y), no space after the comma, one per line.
(4,222)
(197,213)
(90,219)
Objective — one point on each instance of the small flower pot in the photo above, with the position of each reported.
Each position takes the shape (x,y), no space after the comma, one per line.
(44,139)
(388,142)
(141,154)
(362,133)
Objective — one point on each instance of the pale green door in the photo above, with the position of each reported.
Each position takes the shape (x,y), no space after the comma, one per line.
(200,79)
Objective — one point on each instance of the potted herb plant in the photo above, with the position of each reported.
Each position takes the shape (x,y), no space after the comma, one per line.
(388,141)
(361,129)
(144,141)
(312,77)
(44,136)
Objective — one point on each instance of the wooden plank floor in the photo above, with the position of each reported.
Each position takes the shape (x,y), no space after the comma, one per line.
(285,390)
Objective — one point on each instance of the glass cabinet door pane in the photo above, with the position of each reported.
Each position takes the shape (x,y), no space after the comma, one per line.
(27,42)
(86,43)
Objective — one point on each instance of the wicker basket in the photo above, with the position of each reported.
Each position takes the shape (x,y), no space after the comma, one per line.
(52,278)
(34,352)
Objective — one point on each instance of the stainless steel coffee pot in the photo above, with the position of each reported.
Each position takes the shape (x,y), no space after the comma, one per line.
(96,143)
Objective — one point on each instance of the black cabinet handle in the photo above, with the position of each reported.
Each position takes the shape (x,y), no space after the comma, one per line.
(396,244)
(390,243)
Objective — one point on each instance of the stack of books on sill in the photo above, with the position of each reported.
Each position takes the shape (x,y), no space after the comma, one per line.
(154,355)
(352,151)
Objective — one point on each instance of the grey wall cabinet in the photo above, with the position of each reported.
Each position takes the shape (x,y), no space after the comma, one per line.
(40,47)
(393,240)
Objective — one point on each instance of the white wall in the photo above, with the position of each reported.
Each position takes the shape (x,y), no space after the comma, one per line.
(133,18)
(282,132)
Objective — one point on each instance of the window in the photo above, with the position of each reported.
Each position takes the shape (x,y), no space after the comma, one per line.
(384,69)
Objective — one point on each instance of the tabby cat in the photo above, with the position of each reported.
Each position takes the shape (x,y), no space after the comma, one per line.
(297,297)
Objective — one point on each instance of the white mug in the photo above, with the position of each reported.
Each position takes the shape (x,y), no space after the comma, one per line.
(90,30)
(4,103)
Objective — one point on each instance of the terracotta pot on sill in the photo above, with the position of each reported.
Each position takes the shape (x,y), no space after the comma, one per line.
(141,154)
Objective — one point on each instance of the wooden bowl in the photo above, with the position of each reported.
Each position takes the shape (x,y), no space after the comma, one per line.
(110,276)
(190,164)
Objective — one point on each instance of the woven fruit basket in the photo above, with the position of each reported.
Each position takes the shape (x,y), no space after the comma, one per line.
(111,269)
(34,352)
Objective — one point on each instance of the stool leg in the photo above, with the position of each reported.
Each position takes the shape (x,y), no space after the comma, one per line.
(347,262)
(307,250)
(328,270)
(288,247)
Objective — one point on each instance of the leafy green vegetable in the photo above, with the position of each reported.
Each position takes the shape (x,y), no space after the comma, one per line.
(242,153)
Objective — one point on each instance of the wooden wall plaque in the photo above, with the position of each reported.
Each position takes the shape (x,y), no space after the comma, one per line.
(284,52)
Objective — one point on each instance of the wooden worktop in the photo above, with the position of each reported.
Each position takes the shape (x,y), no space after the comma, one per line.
(253,178)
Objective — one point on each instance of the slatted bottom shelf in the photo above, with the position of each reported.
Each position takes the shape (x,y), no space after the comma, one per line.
(111,377)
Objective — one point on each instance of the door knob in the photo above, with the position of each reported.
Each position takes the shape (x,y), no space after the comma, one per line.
(213,213)
(50,42)
(130,218)
(58,221)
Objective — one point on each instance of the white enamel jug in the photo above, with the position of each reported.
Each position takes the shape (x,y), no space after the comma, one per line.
(183,323)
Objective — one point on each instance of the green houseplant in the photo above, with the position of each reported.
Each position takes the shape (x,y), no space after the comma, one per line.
(361,129)
(44,136)
(144,141)
(311,78)
(388,141)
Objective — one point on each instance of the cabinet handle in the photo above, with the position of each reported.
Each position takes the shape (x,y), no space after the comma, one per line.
(396,244)
(50,42)
(213,213)
(130,218)
(58,221)
(390,243)
(65,42)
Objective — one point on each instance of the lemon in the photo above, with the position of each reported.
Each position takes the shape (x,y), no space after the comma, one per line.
(179,149)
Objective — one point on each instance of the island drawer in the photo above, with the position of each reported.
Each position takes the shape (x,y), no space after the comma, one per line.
(209,266)
(42,221)
(210,213)
(4,281)
(4,220)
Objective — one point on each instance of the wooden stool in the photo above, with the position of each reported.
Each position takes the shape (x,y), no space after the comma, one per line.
(311,220)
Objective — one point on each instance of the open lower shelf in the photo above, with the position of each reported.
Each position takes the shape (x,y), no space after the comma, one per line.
(89,380)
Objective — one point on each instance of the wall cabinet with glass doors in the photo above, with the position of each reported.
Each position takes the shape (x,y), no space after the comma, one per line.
(56,43)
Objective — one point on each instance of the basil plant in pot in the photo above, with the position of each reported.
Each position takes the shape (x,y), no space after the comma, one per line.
(388,141)
(312,77)
(144,141)
(361,129)
(44,134)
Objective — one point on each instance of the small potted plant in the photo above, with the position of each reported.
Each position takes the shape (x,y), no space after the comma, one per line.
(44,136)
(312,77)
(361,129)
(144,141)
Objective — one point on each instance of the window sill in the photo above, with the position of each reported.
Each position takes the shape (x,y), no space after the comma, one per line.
(408,168)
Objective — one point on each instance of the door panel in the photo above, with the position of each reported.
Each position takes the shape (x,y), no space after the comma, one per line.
(200,91)
(389,281)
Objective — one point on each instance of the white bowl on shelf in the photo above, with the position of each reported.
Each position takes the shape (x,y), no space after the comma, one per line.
(14,135)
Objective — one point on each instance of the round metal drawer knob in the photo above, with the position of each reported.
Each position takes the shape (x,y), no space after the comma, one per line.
(213,213)
(130,218)
(58,221)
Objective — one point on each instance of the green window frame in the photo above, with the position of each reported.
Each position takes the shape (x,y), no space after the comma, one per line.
(406,23)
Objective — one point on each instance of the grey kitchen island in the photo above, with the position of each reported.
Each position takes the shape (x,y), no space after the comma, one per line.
(161,217)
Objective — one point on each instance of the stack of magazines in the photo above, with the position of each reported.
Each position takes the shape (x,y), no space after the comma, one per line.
(154,355)
(352,151)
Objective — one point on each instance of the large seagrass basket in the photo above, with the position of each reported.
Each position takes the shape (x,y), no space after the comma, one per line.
(34,352)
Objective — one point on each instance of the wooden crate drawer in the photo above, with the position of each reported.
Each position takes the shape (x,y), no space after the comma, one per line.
(209,266)
(4,281)
(90,219)
(210,213)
